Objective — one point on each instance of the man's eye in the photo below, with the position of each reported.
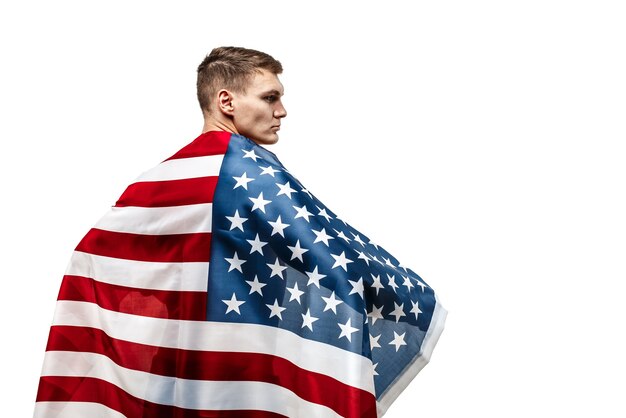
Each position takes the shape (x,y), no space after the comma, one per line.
(270,99)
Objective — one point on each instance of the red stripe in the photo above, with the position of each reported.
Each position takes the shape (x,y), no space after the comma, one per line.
(218,366)
(88,389)
(183,305)
(175,248)
(209,143)
(151,194)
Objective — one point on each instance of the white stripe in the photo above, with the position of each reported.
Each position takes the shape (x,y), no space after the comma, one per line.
(74,410)
(158,221)
(347,367)
(140,274)
(184,168)
(184,393)
(419,362)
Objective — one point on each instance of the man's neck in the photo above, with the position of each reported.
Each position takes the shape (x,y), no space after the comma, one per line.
(214,124)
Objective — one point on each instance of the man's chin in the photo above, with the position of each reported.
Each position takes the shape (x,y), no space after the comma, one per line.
(266,140)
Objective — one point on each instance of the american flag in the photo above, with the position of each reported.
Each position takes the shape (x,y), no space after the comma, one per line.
(219,286)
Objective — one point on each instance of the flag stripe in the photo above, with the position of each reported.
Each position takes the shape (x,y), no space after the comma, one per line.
(182,393)
(344,366)
(71,409)
(212,143)
(190,306)
(82,390)
(161,248)
(169,193)
(142,274)
(158,221)
(226,366)
(186,168)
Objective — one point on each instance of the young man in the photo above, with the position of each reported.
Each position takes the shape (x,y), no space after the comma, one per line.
(219,286)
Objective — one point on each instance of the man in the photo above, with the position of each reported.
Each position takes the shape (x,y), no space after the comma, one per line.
(219,286)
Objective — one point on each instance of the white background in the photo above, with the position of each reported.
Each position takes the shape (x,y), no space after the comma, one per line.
(480,142)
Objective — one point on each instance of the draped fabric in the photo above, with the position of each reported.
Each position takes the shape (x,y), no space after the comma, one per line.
(219,286)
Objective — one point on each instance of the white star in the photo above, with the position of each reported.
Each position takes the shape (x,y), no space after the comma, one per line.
(347,330)
(307,192)
(275,310)
(374,342)
(297,251)
(344,222)
(236,221)
(358,239)
(407,283)
(388,262)
(259,202)
(277,269)
(268,170)
(357,287)
(421,284)
(302,213)
(250,154)
(233,304)
(235,263)
(321,236)
(415,309)
(331,303)
(398,340)
(314,277)
(278,227)
(364,257)
(256,286)
(257,245)
(392,282)
(377,284)
(376,313)
(322,212)
(374,244)
(398,312)
(375,373)
(285,189)
(295,293)
(341,260)
(340,234)
(242,181)
(307,320)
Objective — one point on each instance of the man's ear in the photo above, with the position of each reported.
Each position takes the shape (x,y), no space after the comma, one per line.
(225,102)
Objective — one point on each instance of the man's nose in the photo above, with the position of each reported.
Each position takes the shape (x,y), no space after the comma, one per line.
(280,112)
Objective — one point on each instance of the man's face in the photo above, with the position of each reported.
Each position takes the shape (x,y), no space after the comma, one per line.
(258,112)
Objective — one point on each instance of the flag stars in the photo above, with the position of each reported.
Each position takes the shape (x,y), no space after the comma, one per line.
(235,263)
(422,285)
(257,245)
(364,257)
(256,286)
(374,342)
(236,221)
(358,239)
(285,189)
(323,213)
(308,320)
(259,202)
(398,340)
(278,227)
(250,154)
(341,261)
(302,212)
(277,269)
(415,309)
(398,311)
(347,330)
(341,235)
(295,293)
(322,236)
(276,310)
(376,284)
(297,251)
(242,181)
(233,304)
(407,283)
(376,313)
(392,282)
(268,170)
(357,287)
(331,303)
(388,262)
(314,277)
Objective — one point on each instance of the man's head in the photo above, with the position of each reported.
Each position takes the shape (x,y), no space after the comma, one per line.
(238,90)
